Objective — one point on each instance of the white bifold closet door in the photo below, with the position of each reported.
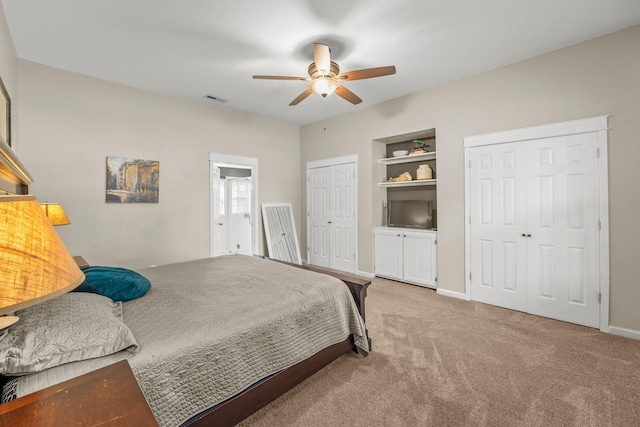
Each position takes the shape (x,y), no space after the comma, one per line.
(535,227)
(331,216)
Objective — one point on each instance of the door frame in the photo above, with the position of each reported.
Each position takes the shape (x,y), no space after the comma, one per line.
(353,158)
(598,125)
(216,159)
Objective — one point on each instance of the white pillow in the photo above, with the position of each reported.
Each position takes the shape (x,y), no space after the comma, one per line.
(71,327)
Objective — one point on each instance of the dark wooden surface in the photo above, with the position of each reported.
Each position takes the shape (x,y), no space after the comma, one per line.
(106,397)
(239,407)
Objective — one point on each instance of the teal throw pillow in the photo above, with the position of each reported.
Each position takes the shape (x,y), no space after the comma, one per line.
(119,284)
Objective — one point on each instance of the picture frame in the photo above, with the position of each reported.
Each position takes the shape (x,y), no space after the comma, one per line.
(132,180)
(5,114)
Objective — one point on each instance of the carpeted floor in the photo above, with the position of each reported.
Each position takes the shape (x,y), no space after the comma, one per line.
(439,361)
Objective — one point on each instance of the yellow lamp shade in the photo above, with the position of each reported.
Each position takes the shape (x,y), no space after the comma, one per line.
(55,213)
(34,263)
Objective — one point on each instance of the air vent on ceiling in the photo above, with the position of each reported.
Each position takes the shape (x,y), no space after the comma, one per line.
(214,98)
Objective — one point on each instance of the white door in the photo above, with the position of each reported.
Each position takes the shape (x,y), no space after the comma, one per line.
(331,217)
(562,228)
(419,253)
(534,227)
(343,221)
(233,204)
(232,216)
(240,215)
(498,220)
(318,217)
(219,223)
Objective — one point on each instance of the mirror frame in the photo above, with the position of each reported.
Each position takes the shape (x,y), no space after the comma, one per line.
(285,209)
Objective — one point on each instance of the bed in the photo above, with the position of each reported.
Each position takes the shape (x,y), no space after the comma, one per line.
(216,339)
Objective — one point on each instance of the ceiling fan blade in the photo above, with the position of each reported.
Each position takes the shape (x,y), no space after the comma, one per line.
(301,97)
(322,58)
(280,78)
(345,93)
(368,73)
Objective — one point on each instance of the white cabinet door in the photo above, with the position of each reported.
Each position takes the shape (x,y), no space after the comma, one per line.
(388,253)
(419,252)
(409,256)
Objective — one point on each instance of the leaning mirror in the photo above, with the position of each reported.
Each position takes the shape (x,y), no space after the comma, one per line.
(280,229)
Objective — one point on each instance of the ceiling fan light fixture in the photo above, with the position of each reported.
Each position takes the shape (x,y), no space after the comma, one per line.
(325,77)
(324,86)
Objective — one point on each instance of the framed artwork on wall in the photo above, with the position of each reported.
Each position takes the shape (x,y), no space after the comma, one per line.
(5,114)
(132,180)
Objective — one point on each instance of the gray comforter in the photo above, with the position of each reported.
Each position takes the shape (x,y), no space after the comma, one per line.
(210,328)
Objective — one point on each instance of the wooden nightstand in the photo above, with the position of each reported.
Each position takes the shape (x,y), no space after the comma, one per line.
(80,261)
(106,397)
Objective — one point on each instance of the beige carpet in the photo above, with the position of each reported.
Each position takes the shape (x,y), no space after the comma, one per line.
(439,361)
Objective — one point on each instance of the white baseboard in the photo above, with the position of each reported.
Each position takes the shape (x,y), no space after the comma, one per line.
(452,294)
(365,274)
(629,333)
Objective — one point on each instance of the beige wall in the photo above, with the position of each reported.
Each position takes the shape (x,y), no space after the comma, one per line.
(594,78)
(70,123)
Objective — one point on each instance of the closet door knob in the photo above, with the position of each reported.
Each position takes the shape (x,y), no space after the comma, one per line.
(524,235)
(528,235)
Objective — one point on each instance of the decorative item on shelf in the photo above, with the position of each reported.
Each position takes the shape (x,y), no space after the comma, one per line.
(400,153)
(34,263)
(406,176)
(420,146)
(424,172)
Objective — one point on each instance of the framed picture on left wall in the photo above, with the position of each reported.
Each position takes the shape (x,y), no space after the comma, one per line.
(5,114)
(132,180)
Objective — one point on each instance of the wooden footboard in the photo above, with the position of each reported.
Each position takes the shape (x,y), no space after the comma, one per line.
(357,285)
(239,407)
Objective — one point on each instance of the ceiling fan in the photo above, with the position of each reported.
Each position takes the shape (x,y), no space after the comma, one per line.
(325,78)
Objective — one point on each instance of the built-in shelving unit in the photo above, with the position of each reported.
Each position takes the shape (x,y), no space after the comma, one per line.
(408,158)
(406,254)
(413,183)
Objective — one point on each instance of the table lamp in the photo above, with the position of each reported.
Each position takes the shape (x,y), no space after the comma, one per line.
(35,266)
(55,213)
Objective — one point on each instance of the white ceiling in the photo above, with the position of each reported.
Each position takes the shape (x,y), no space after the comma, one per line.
(189,48)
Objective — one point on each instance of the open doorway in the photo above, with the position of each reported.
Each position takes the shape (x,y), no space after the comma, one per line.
(233,209)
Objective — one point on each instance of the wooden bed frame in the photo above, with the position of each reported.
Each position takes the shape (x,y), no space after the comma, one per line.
(15,179)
